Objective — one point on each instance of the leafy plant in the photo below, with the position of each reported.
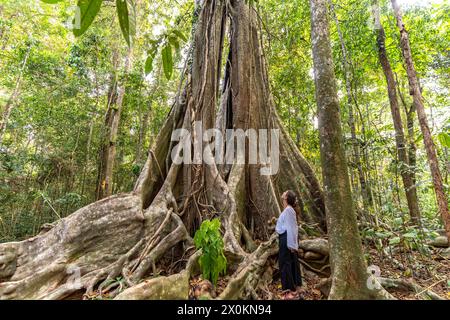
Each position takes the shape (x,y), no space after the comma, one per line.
(212,261)
(444,139)
(169,42)
(126,12)
(412,239)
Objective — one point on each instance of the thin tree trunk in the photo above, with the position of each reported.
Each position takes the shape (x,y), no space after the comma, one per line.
(349,275)
(430,148)
(144,121)
(112,120)
(14,96)
(106,130)
(447,164)
(412,149)
(408,184)
(141,137)
(88,148)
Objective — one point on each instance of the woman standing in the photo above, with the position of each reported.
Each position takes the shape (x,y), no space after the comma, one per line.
(287,230)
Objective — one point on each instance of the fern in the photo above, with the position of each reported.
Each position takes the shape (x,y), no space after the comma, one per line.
(212,261)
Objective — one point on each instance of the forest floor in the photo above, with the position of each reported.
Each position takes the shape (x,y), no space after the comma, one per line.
(428,271)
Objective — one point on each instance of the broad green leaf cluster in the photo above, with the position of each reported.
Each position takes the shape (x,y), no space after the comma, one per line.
(209,240)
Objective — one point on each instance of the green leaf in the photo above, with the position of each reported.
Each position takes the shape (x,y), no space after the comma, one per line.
(410,235)
(150,57)
(167,61)
(88,11)
(51,1)
(149,64)
(434,234)
(126,12)
(395,240)
(174,42)
(215,223)
(398,221)
(382,235)
(444,139)
(180,35)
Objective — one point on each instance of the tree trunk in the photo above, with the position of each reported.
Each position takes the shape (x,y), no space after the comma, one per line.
(143,127)
(412,149)
(88,149)
(365,189)
(430,147)
(447,164)
(105,181)
(14,96)
(141,137)
(408,183)
(348,267)
(127,235)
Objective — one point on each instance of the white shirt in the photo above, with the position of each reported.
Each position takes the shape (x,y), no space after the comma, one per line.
(287,221)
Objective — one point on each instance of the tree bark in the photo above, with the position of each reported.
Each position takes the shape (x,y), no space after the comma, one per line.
(365,188)
(430,147)
(402,154)
(88,149)
(348,267)
(143,126)
(105,181)
(412,148)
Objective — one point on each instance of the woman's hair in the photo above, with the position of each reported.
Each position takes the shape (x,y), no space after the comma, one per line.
(291,198)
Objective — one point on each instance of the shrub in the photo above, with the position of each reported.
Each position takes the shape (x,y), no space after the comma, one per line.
(212,261)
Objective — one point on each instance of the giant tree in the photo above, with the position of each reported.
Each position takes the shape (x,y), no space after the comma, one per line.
(128,234)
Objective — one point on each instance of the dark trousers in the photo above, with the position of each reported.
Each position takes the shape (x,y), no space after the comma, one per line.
(289,267)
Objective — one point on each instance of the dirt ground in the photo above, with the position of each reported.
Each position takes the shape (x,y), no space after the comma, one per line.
(430,272)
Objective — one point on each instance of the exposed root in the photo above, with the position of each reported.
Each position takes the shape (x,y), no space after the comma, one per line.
(409,286)
(173,238)
(174,287)
(319,246)
(97,244)
(249,272)
(314,255)
(320,271)
(89,240)
(232,196)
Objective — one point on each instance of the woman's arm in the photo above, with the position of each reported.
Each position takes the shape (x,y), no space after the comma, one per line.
(292,229)
(281,226)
